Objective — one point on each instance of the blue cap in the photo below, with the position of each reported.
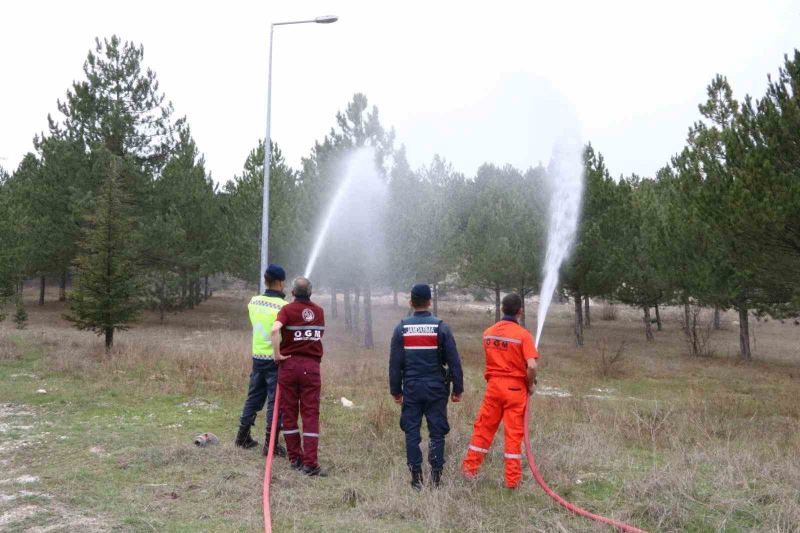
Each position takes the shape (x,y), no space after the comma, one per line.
(421,291)
(275,272)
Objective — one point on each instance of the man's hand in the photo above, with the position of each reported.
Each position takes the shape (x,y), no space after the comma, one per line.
(531,378)
(455,398)
(532,385)
(275,336)
(398,398)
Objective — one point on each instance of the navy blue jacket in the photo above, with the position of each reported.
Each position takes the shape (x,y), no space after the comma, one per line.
(400,368)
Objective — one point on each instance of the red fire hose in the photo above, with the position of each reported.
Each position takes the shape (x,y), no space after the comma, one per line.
(273,434)
(531,462)
(561,501)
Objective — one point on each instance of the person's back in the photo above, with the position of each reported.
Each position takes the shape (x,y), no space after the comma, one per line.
(304,327)
(505,345)
(421,334)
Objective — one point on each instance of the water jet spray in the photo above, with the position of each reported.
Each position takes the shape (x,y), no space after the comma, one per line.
(567,176)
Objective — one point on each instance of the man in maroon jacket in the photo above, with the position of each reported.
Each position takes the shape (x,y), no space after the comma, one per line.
(298,331)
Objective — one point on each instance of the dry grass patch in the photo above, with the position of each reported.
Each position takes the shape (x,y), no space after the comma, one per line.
(665,441)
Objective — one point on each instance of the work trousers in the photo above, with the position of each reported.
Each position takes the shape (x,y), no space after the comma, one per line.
(300,381)
(263,382)
(428,398)
(505,400)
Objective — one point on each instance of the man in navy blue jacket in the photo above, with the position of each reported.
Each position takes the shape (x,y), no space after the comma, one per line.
(422,362)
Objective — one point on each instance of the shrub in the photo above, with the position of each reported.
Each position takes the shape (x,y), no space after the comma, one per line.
(608,362)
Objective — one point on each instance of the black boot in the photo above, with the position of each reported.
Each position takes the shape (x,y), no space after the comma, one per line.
(314,472)
(416,479)
(279,450)
(243,438)
(436,478)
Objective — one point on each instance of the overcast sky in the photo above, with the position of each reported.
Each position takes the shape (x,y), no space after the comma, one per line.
(474,82)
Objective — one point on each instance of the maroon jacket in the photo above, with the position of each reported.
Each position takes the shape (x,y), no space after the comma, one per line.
(303,327)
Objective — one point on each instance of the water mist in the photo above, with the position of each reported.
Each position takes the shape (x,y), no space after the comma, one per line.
(566,174)
(352,223)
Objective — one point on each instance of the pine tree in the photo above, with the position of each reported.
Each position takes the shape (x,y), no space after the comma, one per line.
(118,106)
(20,315)
(503,234)
(164,239)
(594,268)
(185,221)
(353,253)
(641,283)
(240,227)
(107,297)
(11,244)
(769,187)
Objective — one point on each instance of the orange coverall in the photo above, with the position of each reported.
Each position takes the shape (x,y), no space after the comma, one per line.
(508,347)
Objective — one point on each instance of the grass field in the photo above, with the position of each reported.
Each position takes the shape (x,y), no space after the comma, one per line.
(663,441)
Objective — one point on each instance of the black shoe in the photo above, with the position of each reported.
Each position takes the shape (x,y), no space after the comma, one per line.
(297,464)
(416,480)
(243,438)
(436,478)
(310,471)
(278,451)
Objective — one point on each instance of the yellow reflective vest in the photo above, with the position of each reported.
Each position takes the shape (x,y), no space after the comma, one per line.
(263,312)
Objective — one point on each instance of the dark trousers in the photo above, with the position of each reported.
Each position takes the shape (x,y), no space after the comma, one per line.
(263,382)
(301,382)
(428,398)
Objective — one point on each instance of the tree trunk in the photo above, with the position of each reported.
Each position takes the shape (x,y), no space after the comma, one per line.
(41,290)
(658,319)
(62,287)
(435,299)
(497,303)
(587,318)
(348,312)
(162,291)
(368,342)
(744,334)
(109,339)
(717,321)
(648,328)
(357,311)
(578,319)
(191,294)
(690,332)
(522,295)
(205,288)
(334,306)
(686,328)
(396,303)
(20,287)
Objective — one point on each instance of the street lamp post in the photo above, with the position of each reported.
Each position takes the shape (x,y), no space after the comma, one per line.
(328,19)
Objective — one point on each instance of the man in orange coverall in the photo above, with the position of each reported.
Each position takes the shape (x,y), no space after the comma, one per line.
(511,376)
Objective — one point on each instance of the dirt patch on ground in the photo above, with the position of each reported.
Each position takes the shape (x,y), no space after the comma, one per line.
(18,430)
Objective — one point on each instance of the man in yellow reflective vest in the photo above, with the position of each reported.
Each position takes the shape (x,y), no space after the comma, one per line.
(263,311)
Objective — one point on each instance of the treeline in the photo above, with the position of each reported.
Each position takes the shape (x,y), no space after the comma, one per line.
(116,195)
